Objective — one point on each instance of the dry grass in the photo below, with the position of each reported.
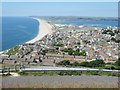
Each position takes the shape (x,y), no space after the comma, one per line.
(60,82)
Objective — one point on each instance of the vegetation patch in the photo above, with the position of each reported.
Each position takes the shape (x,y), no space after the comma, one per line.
(70,73)
(13,51)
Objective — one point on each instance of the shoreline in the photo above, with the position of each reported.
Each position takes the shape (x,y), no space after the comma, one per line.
(44,29)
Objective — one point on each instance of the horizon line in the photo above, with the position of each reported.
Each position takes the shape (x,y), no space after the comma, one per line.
(62,16)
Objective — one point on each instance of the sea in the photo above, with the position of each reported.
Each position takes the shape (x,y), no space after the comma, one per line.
(95,23)
(18,30)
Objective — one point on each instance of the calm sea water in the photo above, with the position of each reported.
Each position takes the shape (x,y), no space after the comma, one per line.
(18,30)
(97,23)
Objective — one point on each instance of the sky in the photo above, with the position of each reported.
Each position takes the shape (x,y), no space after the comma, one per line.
(89,9)
(60,0)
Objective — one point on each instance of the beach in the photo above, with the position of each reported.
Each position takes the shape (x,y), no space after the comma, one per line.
(44,29)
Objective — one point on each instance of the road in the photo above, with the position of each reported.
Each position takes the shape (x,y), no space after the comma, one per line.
(50,68)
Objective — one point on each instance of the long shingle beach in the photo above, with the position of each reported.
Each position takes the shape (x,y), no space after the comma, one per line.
(44,29)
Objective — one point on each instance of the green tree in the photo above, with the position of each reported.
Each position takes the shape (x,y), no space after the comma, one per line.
(70,53)
(83,53)
(78,43)
(108,32)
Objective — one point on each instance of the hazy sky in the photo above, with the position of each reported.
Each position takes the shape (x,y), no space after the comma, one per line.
(60,0)
(97,9)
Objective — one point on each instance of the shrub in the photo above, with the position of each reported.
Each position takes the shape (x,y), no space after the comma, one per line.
(65,62)
(117,63)
(96,63)
(75,64)
(84,64)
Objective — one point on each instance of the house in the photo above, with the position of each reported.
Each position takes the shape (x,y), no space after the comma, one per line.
(13,57)
(51,48)
(37,59)
(4,57)
(54,55)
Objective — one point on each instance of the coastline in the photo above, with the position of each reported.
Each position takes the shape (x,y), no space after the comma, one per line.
(44,29)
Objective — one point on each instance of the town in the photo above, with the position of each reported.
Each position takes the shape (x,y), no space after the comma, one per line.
(68,45)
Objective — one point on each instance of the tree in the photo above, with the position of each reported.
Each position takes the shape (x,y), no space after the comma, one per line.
(111,33)
(115,40)
(108,32)
(40,60)
(96,63)
(116,31)
(78,43)
(70,52)
(34,61)
(44,53)
(57,48)
(86,41)
(83,53)
(15,62)
(76,53)
(69,49)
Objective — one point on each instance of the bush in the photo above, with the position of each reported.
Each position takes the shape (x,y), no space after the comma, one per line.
(114,74)
(97,63)
(65,62)
(94,73)
(79,53)
(84,64)
(115,40)
(78,43)
(70,52)
(75,64)
(69,73)
(116,31)
(117,63)
(110,67)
